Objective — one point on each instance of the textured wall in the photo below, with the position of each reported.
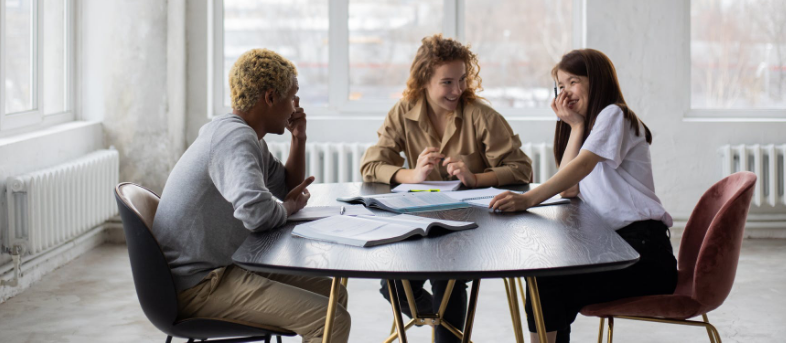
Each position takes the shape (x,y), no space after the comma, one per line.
(135,82)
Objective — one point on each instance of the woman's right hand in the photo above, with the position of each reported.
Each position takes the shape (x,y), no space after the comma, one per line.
(427,160)
(560,107)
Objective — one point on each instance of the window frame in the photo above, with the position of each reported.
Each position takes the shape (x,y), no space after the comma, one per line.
(36,118)
(718,114)
(339,105)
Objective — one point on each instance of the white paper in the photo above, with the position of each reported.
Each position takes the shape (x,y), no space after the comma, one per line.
(475,194)
(443,186)
(319,212)
(555,200)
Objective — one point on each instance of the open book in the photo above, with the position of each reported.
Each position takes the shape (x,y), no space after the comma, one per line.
(365,231)
(482,197)
(409,202)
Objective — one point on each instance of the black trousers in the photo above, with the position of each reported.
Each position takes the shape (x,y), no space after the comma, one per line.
(455,313)
(562,297)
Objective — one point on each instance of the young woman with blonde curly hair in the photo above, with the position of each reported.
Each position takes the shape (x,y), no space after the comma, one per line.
(447,133)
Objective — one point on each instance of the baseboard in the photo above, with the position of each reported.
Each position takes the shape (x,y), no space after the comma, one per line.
(35,268)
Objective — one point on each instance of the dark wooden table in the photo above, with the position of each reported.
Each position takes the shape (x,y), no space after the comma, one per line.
(543,241)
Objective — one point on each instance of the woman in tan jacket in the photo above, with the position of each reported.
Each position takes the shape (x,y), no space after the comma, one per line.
(446,133)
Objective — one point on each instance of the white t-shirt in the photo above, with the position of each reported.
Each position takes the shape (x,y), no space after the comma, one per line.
(621,187)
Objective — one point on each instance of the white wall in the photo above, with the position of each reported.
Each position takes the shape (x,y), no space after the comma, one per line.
(648,41)
(134,81)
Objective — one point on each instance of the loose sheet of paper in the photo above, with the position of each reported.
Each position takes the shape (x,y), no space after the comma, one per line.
(319,212)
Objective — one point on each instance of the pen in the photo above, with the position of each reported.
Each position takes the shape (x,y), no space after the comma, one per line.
(342,210)
(555,97)
(424,190)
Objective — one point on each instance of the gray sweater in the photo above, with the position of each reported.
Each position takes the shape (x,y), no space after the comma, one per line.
(221,190)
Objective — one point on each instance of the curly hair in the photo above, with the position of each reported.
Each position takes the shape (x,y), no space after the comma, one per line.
(435,51)
(256,71)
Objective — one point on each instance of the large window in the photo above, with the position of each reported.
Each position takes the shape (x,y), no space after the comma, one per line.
(353,56)
(738,55)
(36,62)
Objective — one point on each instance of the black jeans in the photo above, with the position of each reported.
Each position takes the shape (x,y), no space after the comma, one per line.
(562,297)
(455,313)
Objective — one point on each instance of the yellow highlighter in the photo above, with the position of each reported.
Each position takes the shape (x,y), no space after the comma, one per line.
(424,190)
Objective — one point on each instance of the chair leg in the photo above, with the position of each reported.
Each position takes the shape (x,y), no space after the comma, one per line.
(169,339)
(600,331)
(611,328)
(711,330)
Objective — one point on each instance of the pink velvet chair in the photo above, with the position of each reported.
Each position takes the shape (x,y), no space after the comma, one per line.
(707,262)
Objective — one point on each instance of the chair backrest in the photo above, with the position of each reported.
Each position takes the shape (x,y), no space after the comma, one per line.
(153,280)
(710,246)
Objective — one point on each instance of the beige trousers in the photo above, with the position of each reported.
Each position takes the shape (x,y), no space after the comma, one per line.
(295,303)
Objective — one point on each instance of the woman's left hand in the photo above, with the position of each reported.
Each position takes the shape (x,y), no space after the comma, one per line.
(457,168)
(510,202)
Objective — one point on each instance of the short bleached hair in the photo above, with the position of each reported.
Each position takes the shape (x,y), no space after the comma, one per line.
(257,71)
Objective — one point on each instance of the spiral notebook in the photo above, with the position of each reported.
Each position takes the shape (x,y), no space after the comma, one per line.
(482,197)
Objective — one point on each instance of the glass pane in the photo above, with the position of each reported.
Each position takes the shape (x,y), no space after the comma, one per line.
(518,49)
(738,54)
(18,37)
(54,56)
(384,36)
(296,29)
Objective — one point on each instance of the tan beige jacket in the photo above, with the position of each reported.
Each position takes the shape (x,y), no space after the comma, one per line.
(478,135)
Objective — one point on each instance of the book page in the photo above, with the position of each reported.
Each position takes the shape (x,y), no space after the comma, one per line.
(357,228)
(555,200)
(420,222)
(414,200)
(475,194)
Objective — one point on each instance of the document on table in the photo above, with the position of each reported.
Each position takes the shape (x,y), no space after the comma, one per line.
(482,197)
(437,186)
(365,231)
(319,212)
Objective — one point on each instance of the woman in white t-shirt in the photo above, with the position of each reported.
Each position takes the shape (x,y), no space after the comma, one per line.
(604,158)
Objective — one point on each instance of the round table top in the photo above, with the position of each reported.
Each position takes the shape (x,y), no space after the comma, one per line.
(550,240)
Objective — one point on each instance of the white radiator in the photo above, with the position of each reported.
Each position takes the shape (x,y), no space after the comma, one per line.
(340,162)
(766,161)
(49,207)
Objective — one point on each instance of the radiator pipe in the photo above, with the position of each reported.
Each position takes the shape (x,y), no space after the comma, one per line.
(16,256)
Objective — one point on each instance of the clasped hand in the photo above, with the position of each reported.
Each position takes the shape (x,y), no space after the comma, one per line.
(430,157)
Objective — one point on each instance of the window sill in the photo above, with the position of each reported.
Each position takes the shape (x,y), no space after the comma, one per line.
(735,115)
(13,137)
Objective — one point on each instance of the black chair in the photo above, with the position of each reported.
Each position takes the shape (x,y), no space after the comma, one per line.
(155,287)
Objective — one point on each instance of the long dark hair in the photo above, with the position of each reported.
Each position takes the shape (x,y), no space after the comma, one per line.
(604,90)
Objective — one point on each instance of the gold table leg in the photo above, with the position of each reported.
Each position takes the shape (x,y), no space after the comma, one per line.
(394,302)
(331,311)
(537,312)
(513,305)
(473,302)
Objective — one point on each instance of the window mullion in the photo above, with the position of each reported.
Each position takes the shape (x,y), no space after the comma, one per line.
(450,19)
(215,58)
(338,50)
(579,24)
(38,50)
(2,64)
